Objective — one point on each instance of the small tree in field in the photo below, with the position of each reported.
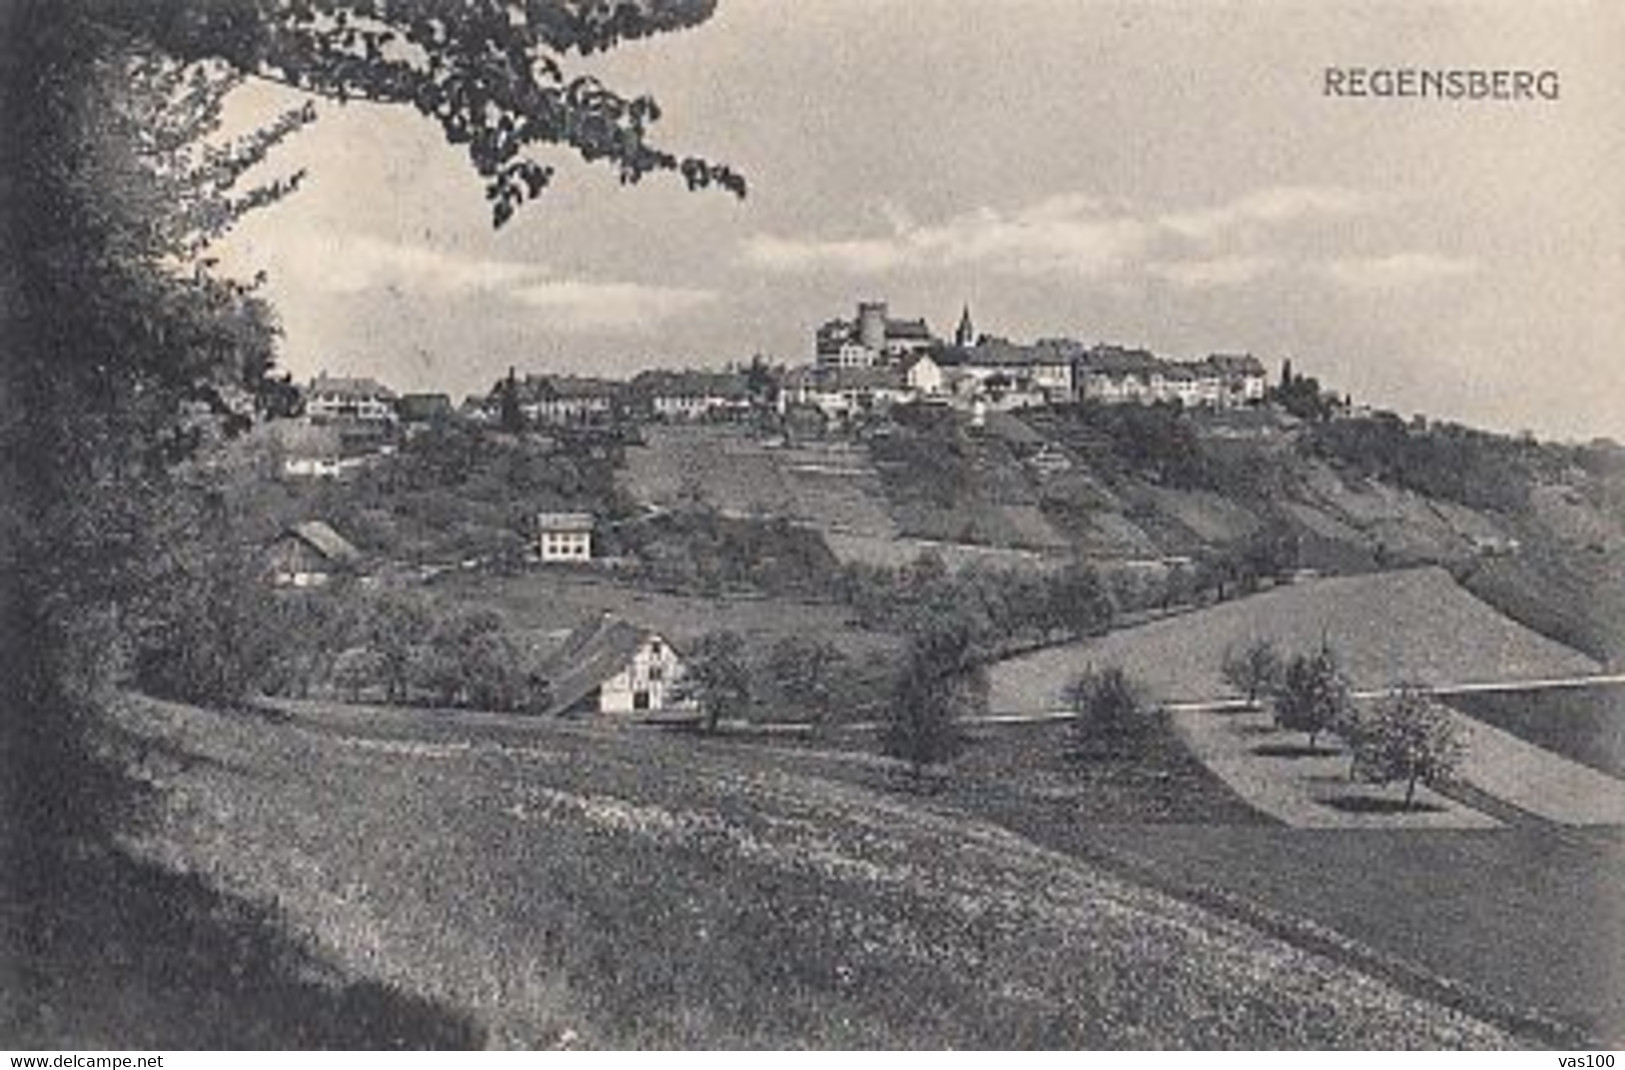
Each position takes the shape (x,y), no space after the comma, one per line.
(1255,670)
(1112,719)
(1411,738)
(716,676)
(943,680)
(1313,696)
(806,672)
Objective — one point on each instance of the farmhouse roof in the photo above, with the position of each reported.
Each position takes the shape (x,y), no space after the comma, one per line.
(593,653)
(564,521)
(1115,360)
(320,537)
(1239,364)
(689,384)
(553,387)
(350,386)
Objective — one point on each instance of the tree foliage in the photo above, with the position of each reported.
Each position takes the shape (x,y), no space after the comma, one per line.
(808,673)
(1255,670)
(717,677)
(124,350)
(493,74)
(1313,696)
(943,680)
(1410,738)
(1110,715)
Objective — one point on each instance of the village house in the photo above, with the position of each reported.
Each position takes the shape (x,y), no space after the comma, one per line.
(609,665)
(564,537)
(310,554)
(845,392)
(560,400)
(677,396)
(341,398)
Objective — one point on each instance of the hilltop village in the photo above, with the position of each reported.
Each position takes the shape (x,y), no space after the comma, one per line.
(859,366)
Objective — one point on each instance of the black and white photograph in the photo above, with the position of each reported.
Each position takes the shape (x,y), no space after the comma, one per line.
(847,525)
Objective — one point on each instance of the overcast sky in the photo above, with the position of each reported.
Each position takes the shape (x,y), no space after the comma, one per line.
(1168,175)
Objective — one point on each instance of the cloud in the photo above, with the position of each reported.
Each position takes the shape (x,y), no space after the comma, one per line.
(345,265)
(1071,234)
(1273,206)
(1214,273)
(573,305)
(1397,271)
(348,263)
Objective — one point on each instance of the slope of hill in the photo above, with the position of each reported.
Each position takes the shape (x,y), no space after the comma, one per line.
(1412,625)
(566,885)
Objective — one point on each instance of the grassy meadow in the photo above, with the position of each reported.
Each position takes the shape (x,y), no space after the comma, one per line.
(577,885)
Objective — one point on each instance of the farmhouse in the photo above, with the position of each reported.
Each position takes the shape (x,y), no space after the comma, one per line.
(310,554)
(564,537)
(568,399)
(609,665)
(692,395)
(339,398)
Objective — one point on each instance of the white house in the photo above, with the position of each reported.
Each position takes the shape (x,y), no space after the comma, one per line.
(564,537)
(331,397)
(609,665)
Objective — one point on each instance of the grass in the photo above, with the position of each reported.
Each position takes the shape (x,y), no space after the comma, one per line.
(121,953)
(1415,625)
(1527,917)
(629,889)
(1586,724)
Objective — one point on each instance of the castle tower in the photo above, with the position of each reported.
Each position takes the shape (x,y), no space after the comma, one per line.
(872,325)
(965,333)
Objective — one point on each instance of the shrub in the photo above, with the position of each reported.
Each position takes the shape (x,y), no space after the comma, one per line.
(943,680)
(1255,670)
(1314,695)
(1111,717)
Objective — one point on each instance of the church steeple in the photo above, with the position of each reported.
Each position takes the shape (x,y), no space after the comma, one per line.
(965,333)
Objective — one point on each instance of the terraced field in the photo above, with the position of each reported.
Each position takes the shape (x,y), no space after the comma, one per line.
(1413,625)
(581,886)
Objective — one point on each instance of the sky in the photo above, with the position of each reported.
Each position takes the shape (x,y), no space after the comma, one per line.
(1166,174)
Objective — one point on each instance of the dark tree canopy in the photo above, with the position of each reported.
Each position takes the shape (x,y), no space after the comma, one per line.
(492,73)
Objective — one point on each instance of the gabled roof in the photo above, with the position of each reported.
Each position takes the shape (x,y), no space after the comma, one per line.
(593,653)
(688,384)
(347,386)
(1244,364)
(325,541)
(554,387)
(564,521)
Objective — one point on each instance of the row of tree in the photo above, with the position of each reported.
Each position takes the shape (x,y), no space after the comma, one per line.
(1407,736)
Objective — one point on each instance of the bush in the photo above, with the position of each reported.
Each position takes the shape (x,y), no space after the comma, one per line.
(943,681)
(1255,670)
(1314,695)
(1111,717)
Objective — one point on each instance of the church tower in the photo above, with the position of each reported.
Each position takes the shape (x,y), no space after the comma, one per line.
(965,333)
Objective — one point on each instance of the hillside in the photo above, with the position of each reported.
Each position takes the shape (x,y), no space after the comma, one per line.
(566,886)
(1411,625)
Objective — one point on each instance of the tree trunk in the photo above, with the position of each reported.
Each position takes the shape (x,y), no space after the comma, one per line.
(1410,791)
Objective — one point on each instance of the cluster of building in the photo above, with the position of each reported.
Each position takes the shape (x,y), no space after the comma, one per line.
(875,360)
(863,364)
